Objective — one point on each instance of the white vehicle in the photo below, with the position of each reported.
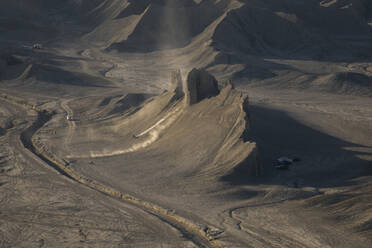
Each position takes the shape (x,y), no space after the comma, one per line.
(69,118)
(27,47)
(37,46)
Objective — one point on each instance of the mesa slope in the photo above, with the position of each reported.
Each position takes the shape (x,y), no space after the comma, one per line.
(201,154)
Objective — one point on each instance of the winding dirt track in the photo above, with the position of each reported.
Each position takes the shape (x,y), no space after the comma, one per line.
(198,233)
(32,210)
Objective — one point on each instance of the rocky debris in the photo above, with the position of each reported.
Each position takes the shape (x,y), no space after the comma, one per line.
(200,85)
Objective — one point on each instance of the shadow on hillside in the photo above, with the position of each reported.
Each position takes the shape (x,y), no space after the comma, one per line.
(324,160)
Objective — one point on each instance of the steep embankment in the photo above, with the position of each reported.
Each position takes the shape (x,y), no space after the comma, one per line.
(195,109)
(220,125)
(189,134)
(199,233)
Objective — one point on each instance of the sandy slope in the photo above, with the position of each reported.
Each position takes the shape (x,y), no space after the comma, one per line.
(39,208)
(305,65)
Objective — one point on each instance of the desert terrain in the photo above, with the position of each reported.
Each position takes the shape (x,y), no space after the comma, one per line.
(158,123)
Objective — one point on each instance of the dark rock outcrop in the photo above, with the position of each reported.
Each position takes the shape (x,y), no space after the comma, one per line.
(200,85)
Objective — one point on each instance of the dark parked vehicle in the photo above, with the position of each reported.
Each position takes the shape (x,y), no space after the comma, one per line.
(283,163)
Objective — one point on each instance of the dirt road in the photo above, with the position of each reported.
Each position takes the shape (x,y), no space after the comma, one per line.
(41,208)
